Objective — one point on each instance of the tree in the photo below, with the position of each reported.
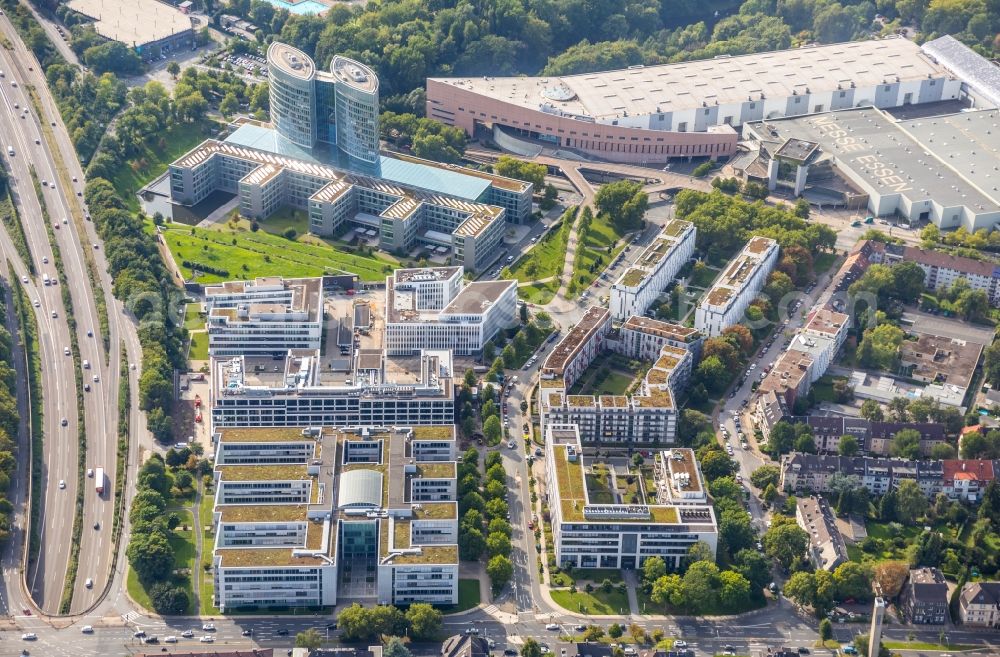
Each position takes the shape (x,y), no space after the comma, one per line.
(668,590)
(615,631)
(991,363)
(871,410)
(785,542)
(701,585)
(848,446)
(530,648)
(781,439)
(593,633)
(521,170)
(890,576)
(311,639)
(637,633)
(911,503)
(653,569)
(169,599)
(879,347)
(500,569)
(905,444)
(853,580)
(825,630)
(229,106)
(899,408)
(805,443)
(492,430)
(734,590)
(713,373)
(150,555)
(624,201)
(715,464)
(801,587)
(498,543)
(471,543)
(754,566)
(395,647)
(908,281)
(425,621)
(173,68)
(699,551)
(770,494)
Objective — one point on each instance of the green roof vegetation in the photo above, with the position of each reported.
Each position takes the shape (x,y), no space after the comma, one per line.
(633,277)
(400,533)
(263,435)
(265,557)
(263,472)
(435,511)
(552,383)
(443,432)
(262,512)
(675,227)
(439,470)
(429,554)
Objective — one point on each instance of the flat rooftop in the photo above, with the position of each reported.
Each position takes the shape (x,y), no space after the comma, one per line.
(738,271)
(951,159)
(568,347)
(477,297)
(133,22)
(264,435)
(659,328)
(642,91)
(354,74)
(940,359)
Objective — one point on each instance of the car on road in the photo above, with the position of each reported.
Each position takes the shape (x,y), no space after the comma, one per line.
(246,633)
(89,583)
(208,638)
(86,387)
(87,629)
(552,626)
(187,634)
(509,652)
(54,314)
(62,484)
(170,639)
(728,650)
(24,279)
(208,627)
(849,649)
(64,422)
(45,260)
(282,632)
(66,351)
(510,444)
(36,303)
(138,634)
(802,650)
(580,628)
(680,643)
(472,630)
(29,636)
(151,639)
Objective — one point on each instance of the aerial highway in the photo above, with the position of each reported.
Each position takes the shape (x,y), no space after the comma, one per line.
(31,137)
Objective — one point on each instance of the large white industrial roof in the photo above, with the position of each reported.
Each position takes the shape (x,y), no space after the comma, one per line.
(132,22)
(645,90)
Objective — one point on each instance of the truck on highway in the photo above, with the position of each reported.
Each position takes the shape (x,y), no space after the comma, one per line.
(99,480)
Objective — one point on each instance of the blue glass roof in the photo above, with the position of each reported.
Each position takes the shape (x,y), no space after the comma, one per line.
(434,179)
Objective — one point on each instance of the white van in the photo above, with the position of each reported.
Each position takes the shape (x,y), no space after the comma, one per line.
(86,364)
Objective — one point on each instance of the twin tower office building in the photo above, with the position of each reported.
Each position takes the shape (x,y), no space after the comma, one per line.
(320,154)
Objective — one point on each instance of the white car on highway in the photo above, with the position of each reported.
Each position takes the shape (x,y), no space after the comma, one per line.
(552,626)
(29,636)
(170,639)
(207,639)
(187,634)
(87,629)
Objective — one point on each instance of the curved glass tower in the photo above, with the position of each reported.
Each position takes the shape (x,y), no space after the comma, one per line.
(310,106)
(292,76)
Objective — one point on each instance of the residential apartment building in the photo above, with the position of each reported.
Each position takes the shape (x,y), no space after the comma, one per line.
(578,349)
(264,317)
(634,525)
(979,604)
(370,501)
(433,308)
(373,390)
(647,416)
(874,438)
(807,358)
(941,270)
(643,338)
(960,479)
(744,276)
(636,290)
(827,548)
(924,600)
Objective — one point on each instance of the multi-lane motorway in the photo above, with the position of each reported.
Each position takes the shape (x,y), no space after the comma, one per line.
(31,137)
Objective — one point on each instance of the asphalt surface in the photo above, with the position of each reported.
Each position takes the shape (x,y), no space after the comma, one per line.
(19,131)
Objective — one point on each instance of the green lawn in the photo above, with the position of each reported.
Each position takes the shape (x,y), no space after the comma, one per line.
(601,381)
(823,261)
(596,603)
(199,346)
(544,260)
(823,389)
(244,253)
(182,542)
(155,159)
(907,534)
(207,589)
(593,249)
(702,277)
(468,596)
(924,645)
(193,320)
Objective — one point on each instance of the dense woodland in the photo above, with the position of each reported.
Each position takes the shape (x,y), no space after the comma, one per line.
(409,40)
